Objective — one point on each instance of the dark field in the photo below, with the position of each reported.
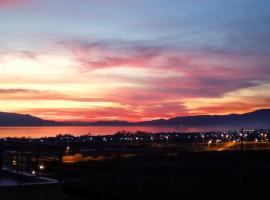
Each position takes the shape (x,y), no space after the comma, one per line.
(200,175)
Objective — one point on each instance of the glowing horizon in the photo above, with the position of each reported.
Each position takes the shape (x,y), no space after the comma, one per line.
(133,60)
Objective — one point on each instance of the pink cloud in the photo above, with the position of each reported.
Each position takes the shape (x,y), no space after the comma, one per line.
(5,3)
(174,77)
(193,74)
(103,114)
(253,103)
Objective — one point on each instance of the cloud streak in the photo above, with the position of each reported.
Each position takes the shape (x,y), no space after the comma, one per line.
(211,73)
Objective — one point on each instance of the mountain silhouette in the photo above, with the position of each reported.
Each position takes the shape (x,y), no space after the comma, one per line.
(13,119)
(259,118)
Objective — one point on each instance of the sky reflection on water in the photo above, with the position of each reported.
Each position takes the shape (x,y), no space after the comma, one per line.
(98,130)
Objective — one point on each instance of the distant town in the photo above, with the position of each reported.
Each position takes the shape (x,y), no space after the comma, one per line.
(208,139)
(247,135)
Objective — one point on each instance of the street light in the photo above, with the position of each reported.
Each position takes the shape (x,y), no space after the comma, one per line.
(209,142)
(256,140)
(262,136)
(67,150)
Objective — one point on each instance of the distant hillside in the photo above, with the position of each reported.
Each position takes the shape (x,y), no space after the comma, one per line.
(259,118)
(13,119)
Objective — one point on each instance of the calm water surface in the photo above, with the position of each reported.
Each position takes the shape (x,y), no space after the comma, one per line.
(94,130)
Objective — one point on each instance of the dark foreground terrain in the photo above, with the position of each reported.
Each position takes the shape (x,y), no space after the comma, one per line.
(200,175)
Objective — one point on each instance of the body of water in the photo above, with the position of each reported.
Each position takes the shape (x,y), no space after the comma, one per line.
(43,131)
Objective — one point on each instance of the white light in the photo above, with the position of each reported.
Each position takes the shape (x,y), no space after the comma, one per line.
(33,172)
(14,162)
(41,167)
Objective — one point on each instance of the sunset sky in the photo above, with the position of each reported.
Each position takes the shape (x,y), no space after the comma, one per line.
(133,60)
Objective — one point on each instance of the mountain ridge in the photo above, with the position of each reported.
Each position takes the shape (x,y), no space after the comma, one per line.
(256,118)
